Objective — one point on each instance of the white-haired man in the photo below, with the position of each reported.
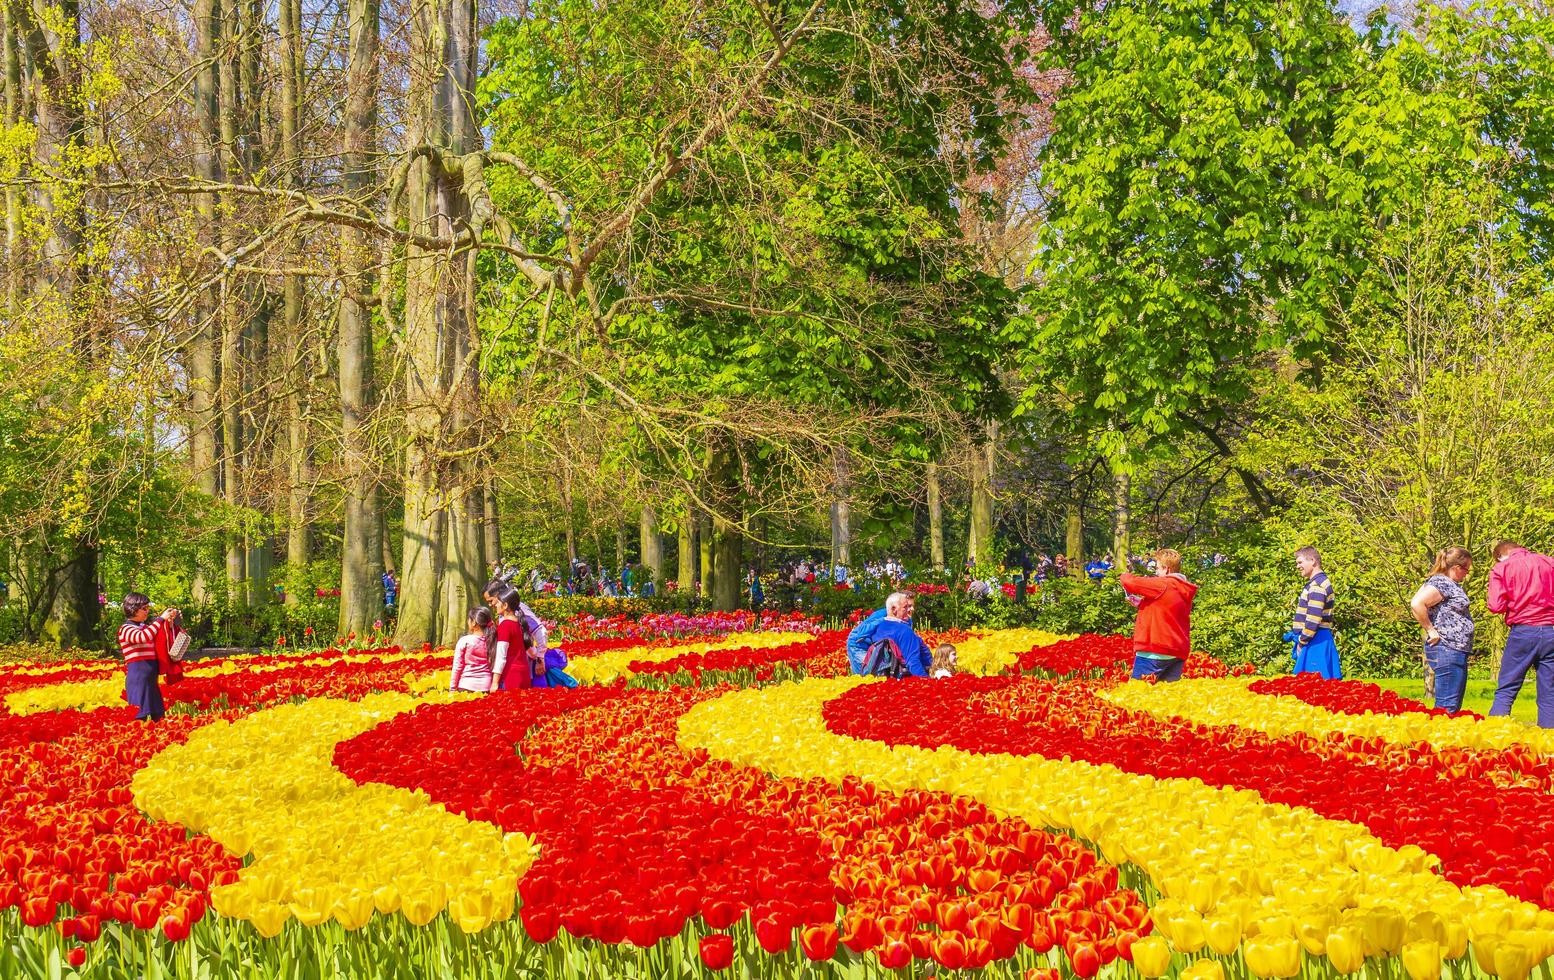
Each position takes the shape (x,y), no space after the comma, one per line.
(894,633)
(861,636)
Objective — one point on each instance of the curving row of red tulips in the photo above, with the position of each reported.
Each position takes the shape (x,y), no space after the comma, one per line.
(1483,832)
(639,837)
(1346,697)
(74,850)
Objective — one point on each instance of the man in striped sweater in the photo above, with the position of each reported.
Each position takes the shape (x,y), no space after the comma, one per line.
(144,641)
(1312,635)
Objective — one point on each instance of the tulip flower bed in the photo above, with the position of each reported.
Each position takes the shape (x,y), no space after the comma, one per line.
(730,800)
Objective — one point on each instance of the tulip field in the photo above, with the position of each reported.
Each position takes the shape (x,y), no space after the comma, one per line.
(719,797)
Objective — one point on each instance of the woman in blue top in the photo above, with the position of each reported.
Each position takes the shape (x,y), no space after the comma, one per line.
(1441,606)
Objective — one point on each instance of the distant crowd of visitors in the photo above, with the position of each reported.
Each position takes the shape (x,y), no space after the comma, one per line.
(505,646)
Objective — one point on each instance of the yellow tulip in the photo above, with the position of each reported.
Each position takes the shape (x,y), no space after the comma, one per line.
(1513,961)
(1384,929)
(1345,949)
(1422,959)
(1484,952)
(1224,933)
(385,898)
(1203,893)
(472,911)
(1186,932)
(353,909)
(1274,926)
(1488,922)
(1312,929)
(1152,956)
(1426,925)
(269,919)
(1272,956)
(311,906)
(1203,970)
(1456,943)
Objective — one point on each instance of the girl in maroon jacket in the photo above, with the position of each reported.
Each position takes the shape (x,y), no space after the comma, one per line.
(1162,635)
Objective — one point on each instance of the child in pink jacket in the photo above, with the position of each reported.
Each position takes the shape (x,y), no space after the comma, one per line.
(472,654)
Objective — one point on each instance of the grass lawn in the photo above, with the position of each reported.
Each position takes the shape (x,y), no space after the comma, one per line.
(1480,694)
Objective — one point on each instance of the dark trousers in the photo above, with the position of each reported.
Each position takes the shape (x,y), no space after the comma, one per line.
(141,690)
(1164,671)
(1527,648)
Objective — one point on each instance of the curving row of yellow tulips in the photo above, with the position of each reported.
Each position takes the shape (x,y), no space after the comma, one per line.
(1226,701)
(108,692)
(323,846)
(614,665)
(997,651)
(1236,872)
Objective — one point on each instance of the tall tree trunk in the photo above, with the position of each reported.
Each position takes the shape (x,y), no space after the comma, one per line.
(361,593)
(50,36)
(706,563)
(727,540)
(841,516)
(11,65)
(1074,538)
(981,534)
(230,390)
(296,456)
(437,314)
(493,523)
(935,520)
(685,549)
(204,377)
(652,545)
(75,613)
(1120,529)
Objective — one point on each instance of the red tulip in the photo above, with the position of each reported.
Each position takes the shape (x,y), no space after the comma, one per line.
(949,952)
(38,911)
(541,924)
(717,951)
(861,932)
(1087,962)
(775,936)
(819,942)
(895,955)
(175,925)
(76,956)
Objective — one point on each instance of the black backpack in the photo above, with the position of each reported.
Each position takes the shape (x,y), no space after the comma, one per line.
(884,659)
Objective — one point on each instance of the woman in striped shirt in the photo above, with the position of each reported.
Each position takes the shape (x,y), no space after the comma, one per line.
(144,641)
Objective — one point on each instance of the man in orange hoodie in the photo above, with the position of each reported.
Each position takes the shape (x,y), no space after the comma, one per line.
(1162,635)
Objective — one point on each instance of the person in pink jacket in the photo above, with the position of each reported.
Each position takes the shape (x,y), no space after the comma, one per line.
(472,654)
(1521,588)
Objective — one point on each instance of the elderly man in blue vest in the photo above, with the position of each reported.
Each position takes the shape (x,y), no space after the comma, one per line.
(899,607)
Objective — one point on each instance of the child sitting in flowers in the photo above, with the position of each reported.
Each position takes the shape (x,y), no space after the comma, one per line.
(943,660)
(472,654)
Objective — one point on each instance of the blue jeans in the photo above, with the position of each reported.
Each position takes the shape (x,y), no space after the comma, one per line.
(1450,666)
(1164,671)
(1527,648)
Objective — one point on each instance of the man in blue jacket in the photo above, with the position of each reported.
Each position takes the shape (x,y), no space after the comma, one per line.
(893,623)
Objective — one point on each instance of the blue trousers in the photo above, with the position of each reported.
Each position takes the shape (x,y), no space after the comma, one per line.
(141,690)
(1527,648)
(1164,671)
(1451,674)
